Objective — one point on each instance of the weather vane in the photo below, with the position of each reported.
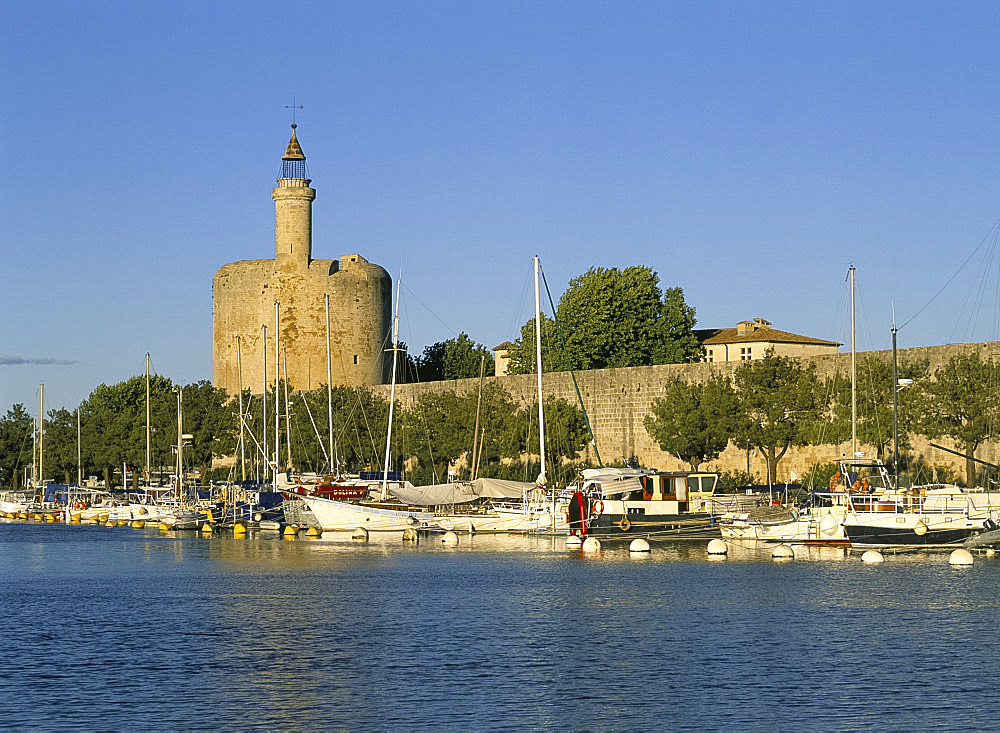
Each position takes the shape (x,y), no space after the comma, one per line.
(293,107)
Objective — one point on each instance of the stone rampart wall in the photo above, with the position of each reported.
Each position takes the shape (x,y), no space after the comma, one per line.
(617,401)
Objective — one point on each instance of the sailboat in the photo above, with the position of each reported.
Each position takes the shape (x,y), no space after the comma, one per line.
(336,514)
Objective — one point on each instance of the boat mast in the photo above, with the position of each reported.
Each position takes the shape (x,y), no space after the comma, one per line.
(895,403)
(277,401)
(288,422)
(538,363)
(239,382)
(180,445)
(149,430)
(392,394)
(263,431)
(41,439)
(329,387)
(79,452)
(475,432)
(854,375)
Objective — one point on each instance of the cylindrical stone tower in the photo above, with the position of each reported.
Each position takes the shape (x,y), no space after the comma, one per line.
(244,294)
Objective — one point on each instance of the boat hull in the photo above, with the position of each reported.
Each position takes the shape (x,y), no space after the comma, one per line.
(331,515)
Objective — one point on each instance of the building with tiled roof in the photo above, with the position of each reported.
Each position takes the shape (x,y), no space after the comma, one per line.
(752,339)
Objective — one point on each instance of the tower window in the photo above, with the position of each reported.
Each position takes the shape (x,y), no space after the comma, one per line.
(355,358)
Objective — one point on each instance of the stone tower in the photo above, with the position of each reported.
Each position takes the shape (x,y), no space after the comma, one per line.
(244,296)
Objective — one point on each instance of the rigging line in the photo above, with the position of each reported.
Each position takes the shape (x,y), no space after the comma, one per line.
(427,308)
(945,286)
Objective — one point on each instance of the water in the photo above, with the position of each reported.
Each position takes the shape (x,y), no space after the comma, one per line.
(129,629)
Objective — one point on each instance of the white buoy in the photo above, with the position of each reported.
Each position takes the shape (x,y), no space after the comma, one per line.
(920,529)
(409,535)
(360,533)
(449,538)
(574,541)
(829,525)
(961,556)
(718,547)
(872,556)
(782,552)
(990,552)
(591,544)
(472,527)
(412,521)
(639,545)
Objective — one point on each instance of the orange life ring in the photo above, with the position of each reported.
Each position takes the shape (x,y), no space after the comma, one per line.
(79,505)
(597,508)
(625,524)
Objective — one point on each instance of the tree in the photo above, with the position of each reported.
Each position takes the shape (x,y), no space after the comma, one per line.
(208,418)
(457,358)
(613,318)
(777,401)
(962,405)
(875,402)
(693,421)
(15,445)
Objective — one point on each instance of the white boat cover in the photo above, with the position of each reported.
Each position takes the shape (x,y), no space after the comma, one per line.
(495,488)
(625,486)
(459,493)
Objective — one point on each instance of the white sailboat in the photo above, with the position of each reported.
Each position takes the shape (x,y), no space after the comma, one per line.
(331,514)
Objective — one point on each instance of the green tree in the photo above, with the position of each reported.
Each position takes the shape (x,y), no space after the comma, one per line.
(693,421)
(777,402)
(15,445)
(208,418)
(613,318)
(565,435)
(457,358)
(60,445)
(962,405)
(875,403)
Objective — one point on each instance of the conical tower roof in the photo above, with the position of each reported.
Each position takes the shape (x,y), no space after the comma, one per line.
(294,150)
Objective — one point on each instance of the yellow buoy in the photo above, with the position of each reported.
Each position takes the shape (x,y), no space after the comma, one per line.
(291,530)
(50,517)
(138,524)
(39,518)
(122,522)
(95,519)
(164,527)
(22,515)
(75,518)
(314,532)
(239,530)
(111,523)
(206,528)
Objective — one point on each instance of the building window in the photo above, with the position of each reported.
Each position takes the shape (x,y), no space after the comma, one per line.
(355,358)
(745,354)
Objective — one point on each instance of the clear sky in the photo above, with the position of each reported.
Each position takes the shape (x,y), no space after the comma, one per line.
(749,152)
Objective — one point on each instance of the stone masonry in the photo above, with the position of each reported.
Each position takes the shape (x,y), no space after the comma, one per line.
(617,401)
(244,296)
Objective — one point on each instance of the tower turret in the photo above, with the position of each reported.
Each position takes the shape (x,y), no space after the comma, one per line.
(293,209)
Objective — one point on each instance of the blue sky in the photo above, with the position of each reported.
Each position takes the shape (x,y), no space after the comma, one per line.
(748,152)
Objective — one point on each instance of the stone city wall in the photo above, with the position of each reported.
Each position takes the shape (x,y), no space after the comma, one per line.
(617,401)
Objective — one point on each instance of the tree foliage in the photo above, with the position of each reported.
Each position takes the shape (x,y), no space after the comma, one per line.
(875,402)
(457,358)
(693,421)
(612,318)
(15,445)
(963,405)
(778,402)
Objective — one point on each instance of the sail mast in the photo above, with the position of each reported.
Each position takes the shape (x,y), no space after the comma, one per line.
(538,364)
(149,430)
(329,387)
(854,375)
(239,384)
(392,393)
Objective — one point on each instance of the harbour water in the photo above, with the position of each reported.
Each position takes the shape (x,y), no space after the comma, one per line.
(132,629)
